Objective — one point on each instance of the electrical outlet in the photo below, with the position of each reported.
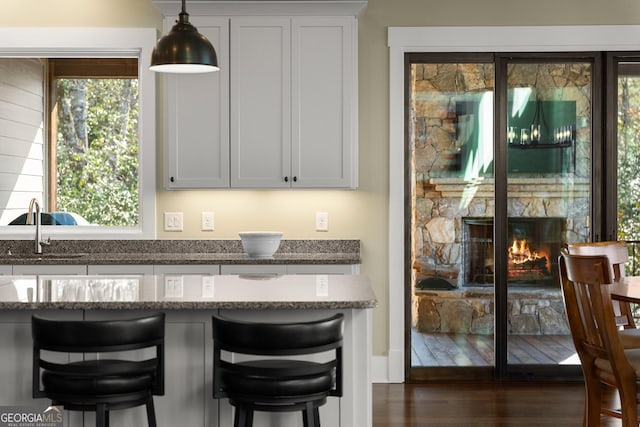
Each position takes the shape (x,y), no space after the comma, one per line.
(208,290)
(173,286)
(322,285)
(207,221)
(173,221)
(322,221)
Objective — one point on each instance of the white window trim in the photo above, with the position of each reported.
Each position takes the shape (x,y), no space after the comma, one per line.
(402,40)
(98,42)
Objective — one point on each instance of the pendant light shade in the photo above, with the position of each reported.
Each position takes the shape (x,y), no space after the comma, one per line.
(184,50)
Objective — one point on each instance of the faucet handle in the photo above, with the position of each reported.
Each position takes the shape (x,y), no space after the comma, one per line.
(46,241)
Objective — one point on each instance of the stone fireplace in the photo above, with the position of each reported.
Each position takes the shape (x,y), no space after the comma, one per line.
(533,251)
(454,243)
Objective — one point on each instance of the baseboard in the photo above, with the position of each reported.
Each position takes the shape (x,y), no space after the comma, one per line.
(388,369)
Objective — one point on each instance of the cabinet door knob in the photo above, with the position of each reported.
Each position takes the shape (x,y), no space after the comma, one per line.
(286,179)
(171,179)
(295,179)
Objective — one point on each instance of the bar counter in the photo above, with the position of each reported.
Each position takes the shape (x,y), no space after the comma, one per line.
(189,302)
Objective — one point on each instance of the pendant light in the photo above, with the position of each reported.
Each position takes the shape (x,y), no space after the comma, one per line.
(184,50)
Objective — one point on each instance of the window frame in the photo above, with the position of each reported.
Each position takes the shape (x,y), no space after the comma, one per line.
(98,43)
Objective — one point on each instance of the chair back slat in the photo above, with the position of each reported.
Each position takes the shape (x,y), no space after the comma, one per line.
(585,284)
(618,255)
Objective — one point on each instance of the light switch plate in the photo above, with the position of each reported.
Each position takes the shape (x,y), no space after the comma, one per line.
(173,221)
(173,287)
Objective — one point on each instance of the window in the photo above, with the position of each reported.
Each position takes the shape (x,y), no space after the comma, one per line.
(93,140)
(32,159)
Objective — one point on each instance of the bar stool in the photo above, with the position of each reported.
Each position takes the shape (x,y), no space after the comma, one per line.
(99,384)
(272,384)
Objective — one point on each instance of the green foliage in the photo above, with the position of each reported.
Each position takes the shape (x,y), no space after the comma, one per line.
(629,158)
(97,150)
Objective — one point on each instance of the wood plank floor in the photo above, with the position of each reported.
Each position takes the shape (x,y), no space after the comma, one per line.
(478,350)
(499,404)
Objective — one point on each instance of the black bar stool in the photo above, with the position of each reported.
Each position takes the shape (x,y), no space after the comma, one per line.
(272,384)
(99,385)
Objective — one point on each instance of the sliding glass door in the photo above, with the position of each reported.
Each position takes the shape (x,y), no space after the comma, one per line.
(548,141)
(501,172)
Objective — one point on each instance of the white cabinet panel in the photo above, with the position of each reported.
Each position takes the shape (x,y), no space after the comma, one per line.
(49,269)
(260,102)
(120,269)
(187,269)
(324,139)
(197,118)
(323,269)
(6,269)
(262,269)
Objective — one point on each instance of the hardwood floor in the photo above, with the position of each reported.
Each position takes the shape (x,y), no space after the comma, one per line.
(481,404)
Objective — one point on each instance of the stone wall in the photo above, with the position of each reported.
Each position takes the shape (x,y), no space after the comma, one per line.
(471,311)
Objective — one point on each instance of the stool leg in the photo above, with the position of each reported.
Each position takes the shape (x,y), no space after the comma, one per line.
(310,416)
(151,413)
(101,415)
(240,417)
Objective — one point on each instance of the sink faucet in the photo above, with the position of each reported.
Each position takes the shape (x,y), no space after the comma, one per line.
(37,247)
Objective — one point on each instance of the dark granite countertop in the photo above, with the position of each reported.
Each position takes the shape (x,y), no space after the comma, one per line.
(104,252)
(193,292)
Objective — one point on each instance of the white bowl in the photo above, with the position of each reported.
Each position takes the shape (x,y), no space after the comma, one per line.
(260,244)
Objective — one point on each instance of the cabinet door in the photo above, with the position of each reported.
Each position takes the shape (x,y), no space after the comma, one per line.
(187,269)
(324,102)
(323,269)
(260,102)
(197,118)
(254,269)
(120,269)
(49,269)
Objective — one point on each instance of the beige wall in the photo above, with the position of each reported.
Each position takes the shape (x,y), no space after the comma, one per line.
(360,214)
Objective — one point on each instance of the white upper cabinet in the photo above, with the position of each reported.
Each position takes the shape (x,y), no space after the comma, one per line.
(281,113)
(197,117)
(261,102)
(324,99)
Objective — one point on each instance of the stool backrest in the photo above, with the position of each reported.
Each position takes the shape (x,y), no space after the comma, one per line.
(98,336)
(278,338)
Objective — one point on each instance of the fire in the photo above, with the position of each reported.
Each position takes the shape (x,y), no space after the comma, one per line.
(522,258)
(519,252)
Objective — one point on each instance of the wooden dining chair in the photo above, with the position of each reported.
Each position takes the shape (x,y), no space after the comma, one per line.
(618,255)
(585,284)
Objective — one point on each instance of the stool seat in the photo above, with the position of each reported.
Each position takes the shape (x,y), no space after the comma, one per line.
(138,378)
(270,382)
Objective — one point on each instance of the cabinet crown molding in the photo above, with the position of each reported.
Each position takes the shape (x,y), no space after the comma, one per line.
(264,7)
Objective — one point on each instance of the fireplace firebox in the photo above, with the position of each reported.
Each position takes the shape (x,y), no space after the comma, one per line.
(534,247)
